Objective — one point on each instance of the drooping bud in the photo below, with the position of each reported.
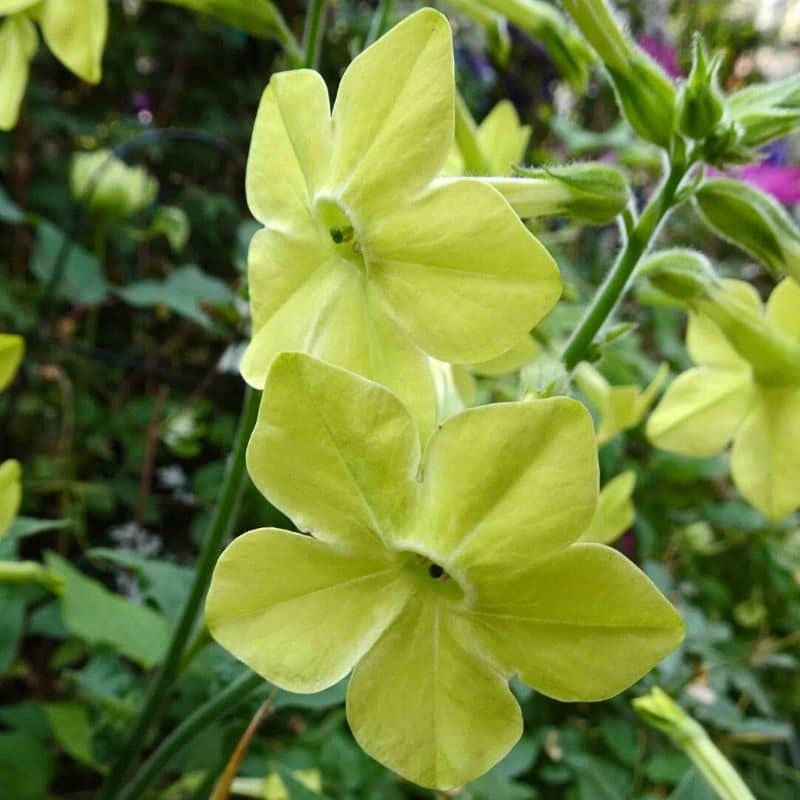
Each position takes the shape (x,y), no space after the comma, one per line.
(661,711)
(591,192)
(680,273)
(644,92)
(753,221)
(766,111)
(700,103)
(108,187)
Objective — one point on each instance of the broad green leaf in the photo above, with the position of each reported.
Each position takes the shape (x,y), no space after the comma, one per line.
(26,767)
(73,731)
(426,704)
(100,617)
(82,280)
(765,461)
(701,411)
(298,611)
(394,115)
(12,348)
(506,485)
(257,18)
(362,484)
(18,43)
(599,779)
(615,512)
(76,33)
(10,212)
(582,625)
(10,493)
(692,787)
(461,273)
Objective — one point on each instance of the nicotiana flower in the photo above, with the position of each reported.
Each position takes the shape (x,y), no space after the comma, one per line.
(74,30)
(12,347)
(615,512)
(619,408)
(746,389)
(434,576)
(10,494)
(364,260)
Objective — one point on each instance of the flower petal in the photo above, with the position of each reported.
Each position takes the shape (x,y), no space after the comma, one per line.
(783,307)
(76,33)
(507,484)
(335,452)
(327,310)
(707,344)
(424,703)
(503,138)
(298,611)
(393,116)
(290,148)
(583,625)
(765,461)
(700,411)
(460,272)
(10,494)
(12,347)
(615,512)
(18,43)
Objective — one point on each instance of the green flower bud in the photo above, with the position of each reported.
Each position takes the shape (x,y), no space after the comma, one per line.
(681,274)
(766,111)
(108,187)
(725,146)
(661,711)
(753,221)
(592,192)
(644,92)
(700,103)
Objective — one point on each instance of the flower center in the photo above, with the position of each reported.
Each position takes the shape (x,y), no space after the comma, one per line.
(338,226)
(428,576)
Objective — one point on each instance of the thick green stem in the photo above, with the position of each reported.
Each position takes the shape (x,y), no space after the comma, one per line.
(617,280)
(227,700)
(222,522)
(312,35)
(294,55)
(380,21)
(467,140)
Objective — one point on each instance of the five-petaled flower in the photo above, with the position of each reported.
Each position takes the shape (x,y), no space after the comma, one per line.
(746,389)
(365,260)
(433,577)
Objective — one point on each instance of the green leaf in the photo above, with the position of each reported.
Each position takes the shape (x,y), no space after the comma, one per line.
(692,787)
(97,615)
(26,767)
(82,280)
(73,731)
(258,18)
(12,616)
(10,212)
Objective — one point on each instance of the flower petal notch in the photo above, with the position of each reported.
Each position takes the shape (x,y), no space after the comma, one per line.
(365,261)
(433,575)
(745,390)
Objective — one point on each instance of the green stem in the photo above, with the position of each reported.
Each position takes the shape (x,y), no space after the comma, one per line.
(291,48)
(467,140)
(220,526)
(617,280)
(380,21)
(227,700)
(312,35)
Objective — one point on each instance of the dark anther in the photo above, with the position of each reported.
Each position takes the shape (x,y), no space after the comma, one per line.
(435,571)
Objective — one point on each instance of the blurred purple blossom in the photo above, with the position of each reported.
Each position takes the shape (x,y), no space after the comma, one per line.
(781,181)
(663,53)
(141,101)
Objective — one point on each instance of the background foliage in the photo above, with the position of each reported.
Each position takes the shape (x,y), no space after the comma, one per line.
(125,410)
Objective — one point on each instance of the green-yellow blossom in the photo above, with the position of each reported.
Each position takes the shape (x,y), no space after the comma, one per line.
(10,494)
(502,140)
(434,576)
(745,389)
(619,408)
(615,511)
(108,187)
(365,260)
(74,31)
(12,347)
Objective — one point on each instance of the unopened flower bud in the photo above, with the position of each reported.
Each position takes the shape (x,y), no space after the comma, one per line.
(766,111)
(592,192)
(753,221)
(108,187)
(644,92)
(700,103)
(681,274)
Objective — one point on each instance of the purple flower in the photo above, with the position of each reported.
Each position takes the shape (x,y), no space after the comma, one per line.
(782,182)
(663,53)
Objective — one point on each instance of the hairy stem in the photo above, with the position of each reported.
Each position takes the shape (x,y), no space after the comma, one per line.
(227,700)
(618,278)
(219,528)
